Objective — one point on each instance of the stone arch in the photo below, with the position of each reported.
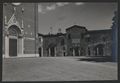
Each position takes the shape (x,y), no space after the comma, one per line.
(14,40)
(99,50)
(14,30)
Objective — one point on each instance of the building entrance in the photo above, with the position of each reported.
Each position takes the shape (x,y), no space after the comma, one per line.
(13,42)
(52,51)
(76,51)
(99,50)
(12,47)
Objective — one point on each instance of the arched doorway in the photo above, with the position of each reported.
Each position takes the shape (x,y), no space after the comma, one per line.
(76,51)
(99,50)
(14,41)
(52,53)
(51,50)
(89,51)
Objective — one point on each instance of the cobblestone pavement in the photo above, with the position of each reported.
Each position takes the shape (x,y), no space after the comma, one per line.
(57,69)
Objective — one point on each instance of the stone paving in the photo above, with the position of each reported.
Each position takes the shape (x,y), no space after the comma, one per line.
(57,69)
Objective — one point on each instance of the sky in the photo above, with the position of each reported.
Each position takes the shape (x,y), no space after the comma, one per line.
(61,15)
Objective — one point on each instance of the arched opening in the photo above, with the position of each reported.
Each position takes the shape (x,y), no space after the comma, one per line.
(15,40)
(76,51)
(89,51)
(51,50)
(13,29)
(99,50)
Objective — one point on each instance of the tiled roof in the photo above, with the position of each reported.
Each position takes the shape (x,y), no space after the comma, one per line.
(51,35)
(81,27)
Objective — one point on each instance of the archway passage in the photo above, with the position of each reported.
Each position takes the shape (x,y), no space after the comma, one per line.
(52,51)
(76,51)
(99,50)
(14,33)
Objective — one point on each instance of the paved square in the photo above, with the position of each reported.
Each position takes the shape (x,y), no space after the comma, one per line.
(57,69)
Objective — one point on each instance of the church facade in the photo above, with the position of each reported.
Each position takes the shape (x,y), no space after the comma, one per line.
(77,41)
(19,29)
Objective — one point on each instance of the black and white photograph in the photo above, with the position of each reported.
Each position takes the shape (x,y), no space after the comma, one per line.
(60,41)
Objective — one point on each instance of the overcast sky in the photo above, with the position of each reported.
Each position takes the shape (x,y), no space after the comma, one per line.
(94,16)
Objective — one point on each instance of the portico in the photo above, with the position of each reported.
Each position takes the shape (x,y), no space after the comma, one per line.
(13,41)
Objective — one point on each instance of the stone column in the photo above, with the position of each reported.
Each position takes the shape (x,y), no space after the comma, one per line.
(97,51)
(92,51)
(79,52)
(49,52)
(22,46)
(55,51)
(73,52)
(19,46)
(104,51)
(6,46)
(41,51)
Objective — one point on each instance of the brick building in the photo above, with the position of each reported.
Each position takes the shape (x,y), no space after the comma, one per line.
(99,42)
(77,41)
(19,29)
(52,44)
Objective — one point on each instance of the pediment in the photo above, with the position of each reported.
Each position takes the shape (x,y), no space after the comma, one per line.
(13,20)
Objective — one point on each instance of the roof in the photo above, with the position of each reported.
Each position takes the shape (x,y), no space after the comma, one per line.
(51,35)
(99,31)
(81,27)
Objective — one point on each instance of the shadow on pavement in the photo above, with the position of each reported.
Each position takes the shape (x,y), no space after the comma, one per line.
(96,59)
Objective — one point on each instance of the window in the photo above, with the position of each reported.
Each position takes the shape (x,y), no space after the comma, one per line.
(82,36)
(63,48)
(76,41)
(88,39)
(71,49)
(39,39)
(103,39)
(62,42)
(69,36)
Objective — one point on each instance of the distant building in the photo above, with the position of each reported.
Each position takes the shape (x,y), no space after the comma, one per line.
(52,44)
(99,42)
(19,29)
(77,41)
